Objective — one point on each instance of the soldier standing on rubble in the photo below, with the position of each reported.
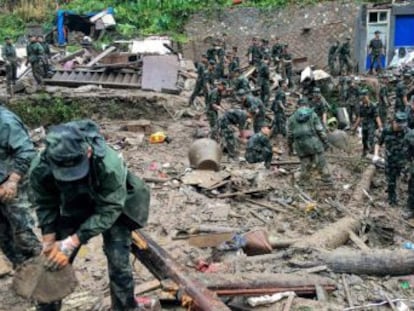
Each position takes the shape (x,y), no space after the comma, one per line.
(259,148)
(384,103)
(264,49)
(393,138)
(319,105)
(279,110)
(263,80)
(307,137)
(255,109)
(35,55)
(276,52)
(17,239)
(345,57)
(232,117)
(213,107)
(46,55)
(401,98)
(235,56)
(287,72)
(10,58)
(253,53)
(409,155)
(200,85)
(232,65)
(332,57)
(352,103)
(375,50)
(368,117)
(82,188)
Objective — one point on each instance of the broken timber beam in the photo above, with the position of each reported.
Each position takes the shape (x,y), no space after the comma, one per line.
(162,265)
(100,56)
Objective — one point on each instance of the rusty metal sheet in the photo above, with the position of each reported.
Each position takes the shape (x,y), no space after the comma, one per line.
(160,73)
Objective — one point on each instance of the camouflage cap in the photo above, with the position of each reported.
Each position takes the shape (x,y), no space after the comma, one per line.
(67,153)
(401,118)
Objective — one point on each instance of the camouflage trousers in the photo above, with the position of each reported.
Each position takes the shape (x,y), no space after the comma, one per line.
(316,161)
(230,141)
(117,244)
(265,92)
(288,75)
(212,118)
(382,112)
(257,156)
(331,64)
(392,172)
(258,122)
(410,200)
(17,239)
(199,87)
(352,109)
(375,61)
(279,125)
(368,138)
(399,105)
(38,72)
(345,63)
(11,72)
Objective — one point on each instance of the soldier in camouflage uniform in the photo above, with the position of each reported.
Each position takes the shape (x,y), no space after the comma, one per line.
(10,58)
(279,110)
(235,56)
(384,103)
(221,54)
(276,53)
(375,50)
(17,239)
(232,117)
(200,85)
(307,137)
(263,80)
(46,55)
(232,65)
(393,138)
(287,72)
(319,105)
(409,155)
(253,53)
(368,117)
(401,99)
(35,54)
(255,109)
(352,103)
(82,188)
(345,57)
(240,82)
(332,57)
(264,49)
(259,148)
(213,107)
(410,115)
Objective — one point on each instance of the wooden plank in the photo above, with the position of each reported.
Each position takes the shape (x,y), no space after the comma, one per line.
(147,287)
(100,56)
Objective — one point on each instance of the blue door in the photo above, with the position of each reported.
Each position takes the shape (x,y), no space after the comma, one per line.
(404,31)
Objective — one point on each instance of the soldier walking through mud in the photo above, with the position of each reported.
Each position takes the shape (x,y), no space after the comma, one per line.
(307,137)
(10,58)
(82,188)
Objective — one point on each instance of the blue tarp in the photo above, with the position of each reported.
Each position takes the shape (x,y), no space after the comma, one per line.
(404,31)
(60,21)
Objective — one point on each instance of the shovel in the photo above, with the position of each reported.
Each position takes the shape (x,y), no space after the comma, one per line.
(34,281)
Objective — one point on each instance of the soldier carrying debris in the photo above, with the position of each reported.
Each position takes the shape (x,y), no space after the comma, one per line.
(307,137)
(393,138)
(232,117)
(82,188)
(259,148)
(319,104)
(255,109)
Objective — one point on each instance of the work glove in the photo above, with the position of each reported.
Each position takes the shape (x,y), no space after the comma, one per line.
(9,190)
(61,252)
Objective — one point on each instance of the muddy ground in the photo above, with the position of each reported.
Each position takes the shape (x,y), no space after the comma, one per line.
(175,205)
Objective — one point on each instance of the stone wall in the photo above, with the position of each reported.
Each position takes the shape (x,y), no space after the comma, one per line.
(309,30)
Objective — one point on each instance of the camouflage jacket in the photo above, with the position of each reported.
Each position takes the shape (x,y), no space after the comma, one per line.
(279,103)
(9,52)
(235,117)
(394,145)
(368,114)
(213,98)
(34,52)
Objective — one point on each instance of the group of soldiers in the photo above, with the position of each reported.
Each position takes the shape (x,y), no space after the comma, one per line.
(38,54)
(306,130)
(80,188)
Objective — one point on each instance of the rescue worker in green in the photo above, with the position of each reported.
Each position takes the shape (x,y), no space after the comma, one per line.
(200,85)
(332,57)
(235,56)
(307,137)
(232,65)
(287,71)
(344,53)
(255,109)
(264,49)
(82,188)
(410,114)
(46,55)
(393,138)
(368,117)
(240,82)
(409,155)
(259,148)
(352,101)
(279,110)
(276,53)
(375,50)
(253,53)
(401,98)
(319,105)
(213,107)
(35,55)
(10,58)
(17,239)
(384,102)
(263,80)
(231,118)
